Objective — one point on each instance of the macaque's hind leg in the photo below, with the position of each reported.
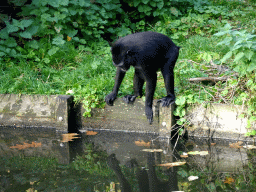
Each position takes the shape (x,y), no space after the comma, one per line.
(138,82)
(167,72)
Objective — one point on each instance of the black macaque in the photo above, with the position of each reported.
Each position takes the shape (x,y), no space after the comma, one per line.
(147,52)
(148,181)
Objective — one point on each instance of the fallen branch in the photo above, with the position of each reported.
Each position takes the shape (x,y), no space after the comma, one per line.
(213,79)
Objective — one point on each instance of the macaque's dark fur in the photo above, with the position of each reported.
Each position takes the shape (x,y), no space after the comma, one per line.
(147,52)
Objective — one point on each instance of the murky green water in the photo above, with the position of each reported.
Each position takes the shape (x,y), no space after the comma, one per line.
(37,159)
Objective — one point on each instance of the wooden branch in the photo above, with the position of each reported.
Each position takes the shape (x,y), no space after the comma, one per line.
(213,79)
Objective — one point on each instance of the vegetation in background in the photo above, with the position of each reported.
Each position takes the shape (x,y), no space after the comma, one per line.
(62,47)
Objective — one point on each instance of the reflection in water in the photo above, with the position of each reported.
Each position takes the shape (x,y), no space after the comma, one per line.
(45,160)
(147,180)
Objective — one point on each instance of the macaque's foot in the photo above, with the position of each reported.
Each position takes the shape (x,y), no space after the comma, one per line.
(129,99)
(110,98)
(166,101)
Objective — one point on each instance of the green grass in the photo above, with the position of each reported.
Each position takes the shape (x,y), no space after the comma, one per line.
(89,73)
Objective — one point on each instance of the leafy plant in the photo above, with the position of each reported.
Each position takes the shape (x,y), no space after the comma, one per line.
(242,58)
(242,46)
(49,27)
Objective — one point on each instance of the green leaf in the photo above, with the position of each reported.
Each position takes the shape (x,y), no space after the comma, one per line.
(235,47)
(4,34)
(181,100)
(72,11)
(46,60)
(71,33)
(10,42)
(145,1)
(248,54)
(32,29)
(44,9)
(181,121)
(160,4)
(238,56)
(26,23)
(2,54)
(54,3)
(11,28)
(59,16)
(45,16)
(13,53)
(224,93)
(26,35)
(84,3)
(39,3)
(249,44)
(2,48)
(53,50)
(174,11)
(64,2)
(221,33)
(152,3)
(156,13)
(33,44)
(58,41)
(227,56)
(136,3)
(251,67)
(226,41)
(144,8)
(82,41)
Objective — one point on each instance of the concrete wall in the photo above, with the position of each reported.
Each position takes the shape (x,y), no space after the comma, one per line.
(35,110)
(214,121)
(217,121)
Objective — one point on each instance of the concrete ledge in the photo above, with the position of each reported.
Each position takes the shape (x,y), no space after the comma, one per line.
(35,110)
(131,118)
(217,121)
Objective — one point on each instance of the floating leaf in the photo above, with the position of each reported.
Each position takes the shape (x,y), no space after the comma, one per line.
(198,153)
(69,137)
(26,145)
(236,145)
(152,150)
(171,164)
(142,143)
(91,133)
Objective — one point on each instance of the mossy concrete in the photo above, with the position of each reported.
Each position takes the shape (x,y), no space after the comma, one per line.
(35,110)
